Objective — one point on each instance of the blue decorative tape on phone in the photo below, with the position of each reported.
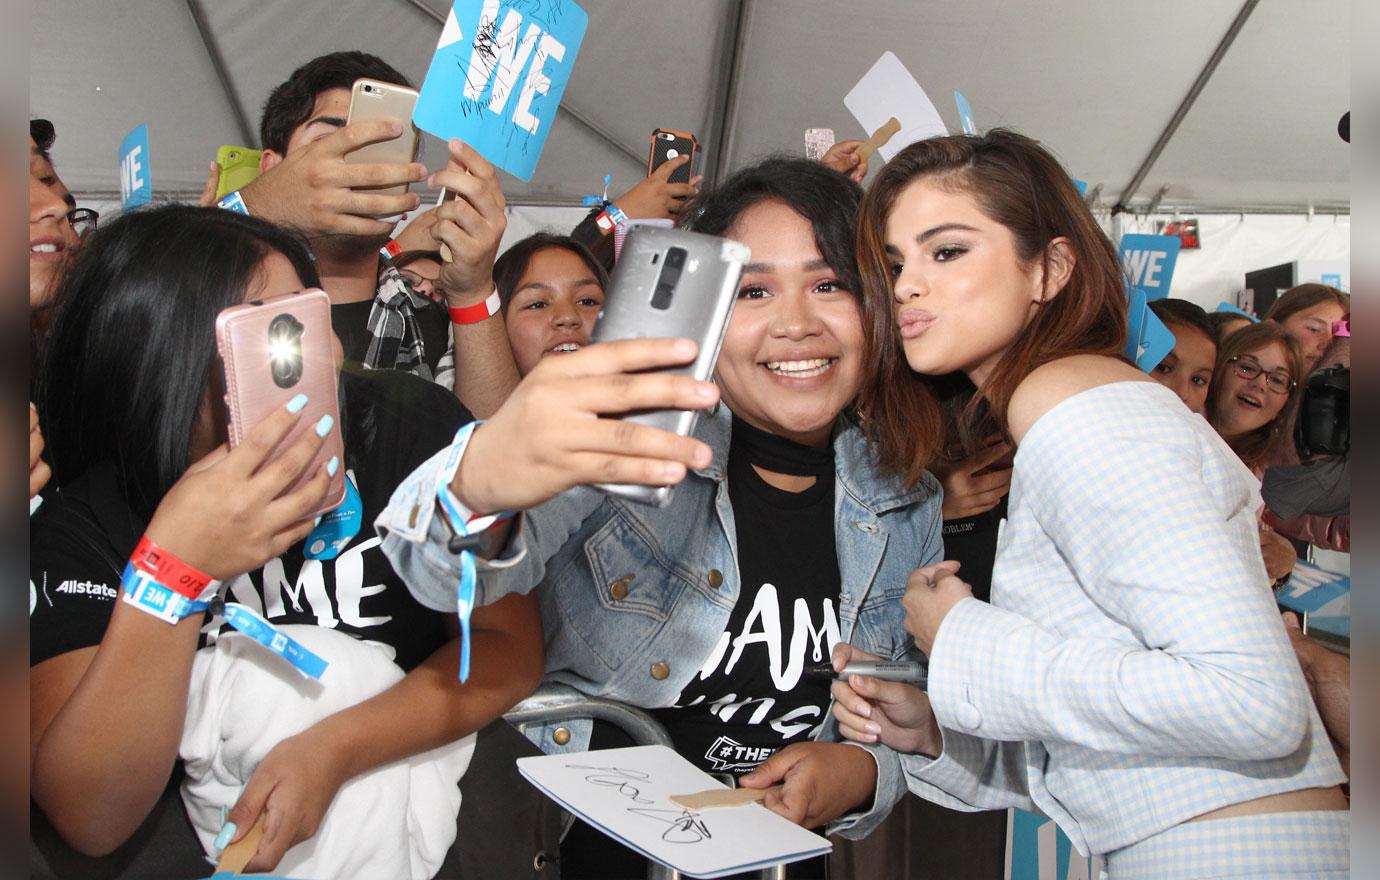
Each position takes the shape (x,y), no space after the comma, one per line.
(337,528)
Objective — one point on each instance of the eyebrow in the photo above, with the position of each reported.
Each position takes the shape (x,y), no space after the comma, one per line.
(761,268)
(543,285)
(943,227)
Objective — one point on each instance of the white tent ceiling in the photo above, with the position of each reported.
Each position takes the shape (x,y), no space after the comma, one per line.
(1096,81)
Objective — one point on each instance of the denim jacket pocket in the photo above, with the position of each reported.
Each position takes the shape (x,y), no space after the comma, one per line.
(616,595)
(881,622)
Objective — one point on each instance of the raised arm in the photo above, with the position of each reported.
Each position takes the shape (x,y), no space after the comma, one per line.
(105,721)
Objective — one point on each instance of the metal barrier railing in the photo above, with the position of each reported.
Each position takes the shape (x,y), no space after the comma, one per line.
(556,702)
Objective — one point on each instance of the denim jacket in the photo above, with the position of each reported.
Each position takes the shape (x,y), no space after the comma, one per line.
(634,598)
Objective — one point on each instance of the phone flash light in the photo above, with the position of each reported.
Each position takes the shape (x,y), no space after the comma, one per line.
(281,349)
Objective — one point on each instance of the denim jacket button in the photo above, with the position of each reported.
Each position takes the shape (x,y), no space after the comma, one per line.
(660,670)
(716,578)
(561,735)
(619,588)
(865,526)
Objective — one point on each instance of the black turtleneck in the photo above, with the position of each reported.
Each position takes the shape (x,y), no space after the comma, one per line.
(754,698)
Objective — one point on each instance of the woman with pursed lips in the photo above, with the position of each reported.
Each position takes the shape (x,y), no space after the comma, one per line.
(1130,677)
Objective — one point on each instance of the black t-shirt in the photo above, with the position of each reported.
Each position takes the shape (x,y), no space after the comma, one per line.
(80,540)
(972,541)
(754,696)
(351,324)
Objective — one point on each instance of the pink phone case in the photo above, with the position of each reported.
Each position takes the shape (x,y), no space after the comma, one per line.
(273,350)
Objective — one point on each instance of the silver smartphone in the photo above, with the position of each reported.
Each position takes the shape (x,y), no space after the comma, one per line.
(671,283)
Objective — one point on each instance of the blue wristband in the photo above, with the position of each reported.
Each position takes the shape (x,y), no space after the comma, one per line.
(234,202)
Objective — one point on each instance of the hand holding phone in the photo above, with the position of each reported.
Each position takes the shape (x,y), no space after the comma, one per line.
(238,166)
(316,191)
(371,99)
(671,283)
(668,144)
(277,352)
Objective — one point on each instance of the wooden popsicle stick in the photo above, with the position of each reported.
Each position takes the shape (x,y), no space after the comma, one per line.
(721,797)
(879,137)
(235,856)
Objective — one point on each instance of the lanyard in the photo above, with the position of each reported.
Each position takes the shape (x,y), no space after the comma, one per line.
(462,524)
(139,589)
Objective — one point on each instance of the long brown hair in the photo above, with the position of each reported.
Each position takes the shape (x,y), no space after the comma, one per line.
(1258,447)
(1305,296)
(916,420)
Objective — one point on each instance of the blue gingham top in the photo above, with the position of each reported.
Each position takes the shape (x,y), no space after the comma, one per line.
(1131,671)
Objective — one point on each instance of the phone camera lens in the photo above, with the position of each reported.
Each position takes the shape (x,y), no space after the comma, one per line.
(285,350)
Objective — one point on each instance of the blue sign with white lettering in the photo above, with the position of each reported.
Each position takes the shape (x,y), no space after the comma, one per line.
(965,114)
(1148,341)
(497,77)
(136,187)
(1148,261)
(1038,850)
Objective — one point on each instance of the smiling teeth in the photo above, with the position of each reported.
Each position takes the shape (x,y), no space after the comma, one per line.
(44,249)
(800,369)
(566,346)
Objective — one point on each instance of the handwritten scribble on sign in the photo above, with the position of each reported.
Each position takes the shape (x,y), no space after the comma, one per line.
(497,77)
(626,793)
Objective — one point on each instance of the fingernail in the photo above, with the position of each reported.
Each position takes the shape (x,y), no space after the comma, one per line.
(331,467)
(706,391)
(323,427)
(317,521)
(297,404)
(671,472)
(227,833)
(873,729)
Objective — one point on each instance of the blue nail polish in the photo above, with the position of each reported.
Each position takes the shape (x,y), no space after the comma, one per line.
(297,404)
(227,833)
(323,427)
(333,465)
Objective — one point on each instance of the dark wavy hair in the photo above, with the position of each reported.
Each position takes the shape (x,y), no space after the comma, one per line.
(1184,314)
(915,420)
(509,268)
(290,104)
(824,197)
(132,346)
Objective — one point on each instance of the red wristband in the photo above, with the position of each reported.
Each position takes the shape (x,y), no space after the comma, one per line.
(168,570)
(477,312)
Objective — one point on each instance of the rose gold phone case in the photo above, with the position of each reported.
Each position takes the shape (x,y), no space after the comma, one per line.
(371,99)
(251,391)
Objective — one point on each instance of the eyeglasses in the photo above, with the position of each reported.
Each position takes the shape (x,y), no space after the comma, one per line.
(83,221)
(1248,368)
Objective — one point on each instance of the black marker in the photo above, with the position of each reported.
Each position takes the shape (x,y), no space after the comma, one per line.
(886,670)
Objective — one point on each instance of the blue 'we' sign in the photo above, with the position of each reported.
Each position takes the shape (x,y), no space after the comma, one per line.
(1148,261)
(497,77)
(136,187)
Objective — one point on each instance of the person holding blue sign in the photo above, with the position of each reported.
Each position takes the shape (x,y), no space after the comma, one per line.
(137,449)
(307,185)
(1131,677)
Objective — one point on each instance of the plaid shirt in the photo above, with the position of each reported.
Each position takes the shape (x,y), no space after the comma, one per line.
(395,338)
(1132,671)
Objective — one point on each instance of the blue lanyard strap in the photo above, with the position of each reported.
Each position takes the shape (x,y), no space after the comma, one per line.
(462,524)
(139,589)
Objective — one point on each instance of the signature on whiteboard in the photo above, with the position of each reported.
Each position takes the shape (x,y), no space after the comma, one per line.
(682,826)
